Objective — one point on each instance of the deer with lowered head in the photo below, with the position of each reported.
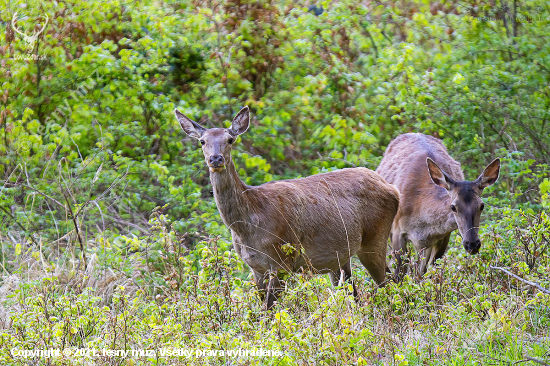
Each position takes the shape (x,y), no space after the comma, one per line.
(435,198)
(327,217)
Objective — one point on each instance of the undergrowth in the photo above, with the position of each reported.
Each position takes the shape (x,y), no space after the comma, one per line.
(164,296)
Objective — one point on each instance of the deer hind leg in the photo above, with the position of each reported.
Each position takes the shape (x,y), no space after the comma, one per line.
(345,270)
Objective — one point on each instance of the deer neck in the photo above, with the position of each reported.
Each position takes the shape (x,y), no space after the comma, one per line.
(230,196)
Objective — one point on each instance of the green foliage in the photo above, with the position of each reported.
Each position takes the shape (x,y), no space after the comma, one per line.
(461,312)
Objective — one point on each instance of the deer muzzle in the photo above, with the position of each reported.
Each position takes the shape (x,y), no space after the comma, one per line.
(472,247)
(216,162)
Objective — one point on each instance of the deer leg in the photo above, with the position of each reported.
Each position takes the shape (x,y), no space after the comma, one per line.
(442,247)
(432,253)
(426,259)
(261,284)
(334,278)
(345,275)
(274,288)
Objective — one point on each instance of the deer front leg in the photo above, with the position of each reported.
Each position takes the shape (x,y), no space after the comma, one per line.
(441,247)
(343,274)
(269,287)
(274,288)
(261,283)
(426,259)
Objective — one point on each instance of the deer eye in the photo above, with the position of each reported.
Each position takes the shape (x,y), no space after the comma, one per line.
(202,142)
(231,140)
(482,206)
(453,208)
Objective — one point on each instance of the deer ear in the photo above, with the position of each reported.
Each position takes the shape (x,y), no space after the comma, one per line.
(438,176)
(190,127)
(490,174)
(240,122)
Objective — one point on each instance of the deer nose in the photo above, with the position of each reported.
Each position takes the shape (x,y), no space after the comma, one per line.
(472,247)
(216,161)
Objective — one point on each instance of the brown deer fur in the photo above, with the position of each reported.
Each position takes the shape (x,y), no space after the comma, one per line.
(429,212)
(327,217)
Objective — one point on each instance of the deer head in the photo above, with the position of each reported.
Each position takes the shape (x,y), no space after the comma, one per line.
(216,142)
(466,204)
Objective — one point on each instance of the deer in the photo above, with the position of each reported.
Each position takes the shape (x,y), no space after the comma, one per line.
(435,198)
(314,223)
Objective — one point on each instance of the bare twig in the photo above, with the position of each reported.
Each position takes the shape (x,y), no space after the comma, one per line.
(540,362)
(73,218)
(122,222)
(542,289)
(493,358)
